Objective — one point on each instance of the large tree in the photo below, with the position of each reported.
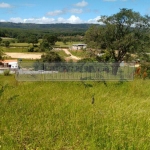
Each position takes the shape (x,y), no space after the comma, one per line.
(51,56)
(51,39)
(123,33)
(48,42)
(33,39)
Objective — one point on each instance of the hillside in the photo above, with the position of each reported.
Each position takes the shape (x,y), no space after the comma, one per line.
(55,28)
(43,26)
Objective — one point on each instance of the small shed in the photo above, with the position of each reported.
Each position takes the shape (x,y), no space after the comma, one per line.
(78,46)
(13,64)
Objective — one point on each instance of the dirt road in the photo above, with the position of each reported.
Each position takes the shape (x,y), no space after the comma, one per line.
(71,56)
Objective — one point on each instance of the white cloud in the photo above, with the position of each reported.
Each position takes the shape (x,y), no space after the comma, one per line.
(42,20)
(95,20)
(55,13)
(82,4)
(72,10)
(76,11)
(64,11)
(5,5)
(16,20)
(46,20)
(61,20)
(2,20)
(74,19)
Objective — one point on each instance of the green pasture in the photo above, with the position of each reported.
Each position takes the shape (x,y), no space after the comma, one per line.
(61,53)
(23,47)
(15,49)
(7,39)
(57,44)
(78,53)
(28,60)
(20,44)
(74,115)
(68,44)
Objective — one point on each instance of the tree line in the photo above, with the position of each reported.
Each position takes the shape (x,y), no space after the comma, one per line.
(23,30)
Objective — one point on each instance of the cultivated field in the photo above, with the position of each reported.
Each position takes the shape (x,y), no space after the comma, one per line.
(74,115)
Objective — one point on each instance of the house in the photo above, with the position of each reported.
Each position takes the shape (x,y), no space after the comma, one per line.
(12,64)
(78,46)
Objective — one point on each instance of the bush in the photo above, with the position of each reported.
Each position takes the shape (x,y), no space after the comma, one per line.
(146,69)
(51,57)
(31,49)
(6,72)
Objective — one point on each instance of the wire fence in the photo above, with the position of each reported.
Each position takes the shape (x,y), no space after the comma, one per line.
(75,71)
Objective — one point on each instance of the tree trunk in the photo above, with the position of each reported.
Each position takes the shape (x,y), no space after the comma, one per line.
(115,67)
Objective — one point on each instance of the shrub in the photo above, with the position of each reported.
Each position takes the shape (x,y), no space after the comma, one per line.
(31,49)
(6,72)
(145,69)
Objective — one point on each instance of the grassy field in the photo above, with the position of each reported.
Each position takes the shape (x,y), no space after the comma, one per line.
(23,47)
(68,44)
(61,44)
(20,44)
(16,49)
(78,53)
(61,53)
(74,115)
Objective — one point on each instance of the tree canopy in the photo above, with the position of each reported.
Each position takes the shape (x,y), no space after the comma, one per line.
(51,56)
(122,33)
(33,39)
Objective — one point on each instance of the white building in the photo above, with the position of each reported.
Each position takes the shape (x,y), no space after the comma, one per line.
(12,64)
(78,46)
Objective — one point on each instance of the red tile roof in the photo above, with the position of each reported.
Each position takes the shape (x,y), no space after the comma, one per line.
(8,61)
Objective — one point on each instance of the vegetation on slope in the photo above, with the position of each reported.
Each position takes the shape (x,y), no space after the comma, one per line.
(74,115)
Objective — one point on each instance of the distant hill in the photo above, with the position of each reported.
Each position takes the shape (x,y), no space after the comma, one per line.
(22,30)
(60,28)
(42,26)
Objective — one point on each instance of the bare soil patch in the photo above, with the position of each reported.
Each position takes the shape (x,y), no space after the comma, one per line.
(24,55)
(38,55)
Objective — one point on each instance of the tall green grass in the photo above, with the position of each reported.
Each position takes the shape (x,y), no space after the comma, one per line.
(79,53)
(61,116)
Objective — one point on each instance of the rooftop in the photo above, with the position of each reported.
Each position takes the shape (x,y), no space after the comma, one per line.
(79,44)
(8,61)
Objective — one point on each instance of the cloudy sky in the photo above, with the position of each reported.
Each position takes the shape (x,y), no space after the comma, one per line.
(66,11)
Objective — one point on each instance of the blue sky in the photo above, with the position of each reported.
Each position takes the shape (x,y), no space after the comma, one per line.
(66,11)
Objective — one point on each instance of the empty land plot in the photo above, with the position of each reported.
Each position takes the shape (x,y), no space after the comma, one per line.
(25,55)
